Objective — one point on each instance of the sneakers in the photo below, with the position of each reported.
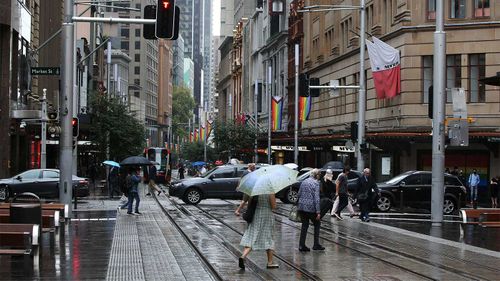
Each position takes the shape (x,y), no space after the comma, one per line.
(304,249)
(129,213)
(318,248)
(138,213)
(241,263)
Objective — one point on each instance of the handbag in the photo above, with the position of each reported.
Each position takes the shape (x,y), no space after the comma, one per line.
(250,211)
(294,215)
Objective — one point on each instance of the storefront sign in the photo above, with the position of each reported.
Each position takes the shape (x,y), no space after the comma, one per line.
(317,148)
(341,148)
(288,148)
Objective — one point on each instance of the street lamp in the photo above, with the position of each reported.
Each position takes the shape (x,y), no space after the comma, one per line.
(362,82)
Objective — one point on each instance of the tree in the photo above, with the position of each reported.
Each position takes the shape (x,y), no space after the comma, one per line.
(194,151)
(182,109)
(126,133)
(233,139)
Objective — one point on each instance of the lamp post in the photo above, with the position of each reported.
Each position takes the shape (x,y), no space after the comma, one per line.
(362,82)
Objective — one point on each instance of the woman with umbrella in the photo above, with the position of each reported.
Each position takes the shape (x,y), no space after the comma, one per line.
(261,185)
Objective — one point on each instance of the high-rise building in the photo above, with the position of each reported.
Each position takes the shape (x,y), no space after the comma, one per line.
(178,67)
(207,52)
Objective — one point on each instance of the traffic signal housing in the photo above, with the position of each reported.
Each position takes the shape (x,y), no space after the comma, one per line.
(304,85)
(149,30)
(165,19)
(354,131)
(314,92)
(52,116)
(75,123)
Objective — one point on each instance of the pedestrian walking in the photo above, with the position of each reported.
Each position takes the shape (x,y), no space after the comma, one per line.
(181,171)
(250,168)
(327,192)
(309,209)
(113,182)
(473,182)
(152,180)
(135,179)
(259,233)
(349,206)
(126,185)
(341,191)
(367,190)
(494,191)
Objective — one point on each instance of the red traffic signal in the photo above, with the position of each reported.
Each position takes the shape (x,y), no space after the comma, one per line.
(76,126)
(165,19)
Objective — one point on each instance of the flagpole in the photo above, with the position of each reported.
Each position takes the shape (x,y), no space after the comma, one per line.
(296,131)
(256,112)
(269,97)
(205,135)
(362,90)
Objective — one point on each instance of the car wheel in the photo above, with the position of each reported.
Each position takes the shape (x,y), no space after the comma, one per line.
(192,196)
(449,206)
(292,196)
(4,193)
(384,203)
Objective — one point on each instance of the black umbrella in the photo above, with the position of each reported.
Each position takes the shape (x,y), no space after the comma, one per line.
(334,165)
(493,80)
(135,161)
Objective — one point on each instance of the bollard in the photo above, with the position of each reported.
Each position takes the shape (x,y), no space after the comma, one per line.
(401,200)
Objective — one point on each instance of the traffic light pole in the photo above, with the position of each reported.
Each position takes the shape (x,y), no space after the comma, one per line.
(66,108)
(269,113)
(296,131)
(43,149)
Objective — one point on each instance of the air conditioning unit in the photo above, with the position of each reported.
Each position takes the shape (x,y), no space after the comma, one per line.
(277,6)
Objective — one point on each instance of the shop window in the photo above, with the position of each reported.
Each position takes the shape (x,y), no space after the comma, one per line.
(477,69)
(453,74)
(457,9)
(427,76)
(481,8)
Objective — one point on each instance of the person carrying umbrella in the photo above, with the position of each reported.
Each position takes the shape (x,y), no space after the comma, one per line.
(262,185)
(135,179)
(250,168)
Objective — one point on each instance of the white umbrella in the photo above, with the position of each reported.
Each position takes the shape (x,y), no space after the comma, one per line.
(292,166)
(267,180)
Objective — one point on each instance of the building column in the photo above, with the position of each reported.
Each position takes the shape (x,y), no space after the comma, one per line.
(5,104)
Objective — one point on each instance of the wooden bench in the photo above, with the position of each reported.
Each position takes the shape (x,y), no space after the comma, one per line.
(20,239)
(485,218)
(50,219)
(62,208)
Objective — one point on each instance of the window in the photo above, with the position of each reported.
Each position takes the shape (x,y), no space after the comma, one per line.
(329,43)
(413,180)
(457,9)
(427,62)
(50,175)
(346,26)
(124,32)
(137,70)
(137,45)
(427,179)
(452,181)
(453,74)
(138,32)
(389,8)
(369,18)
(431,9)
(224,173)
(124,46)
(477,70)
(137,57)
(481,8)
(315,47)
(31,174)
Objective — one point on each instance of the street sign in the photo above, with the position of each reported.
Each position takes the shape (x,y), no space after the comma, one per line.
(45,71)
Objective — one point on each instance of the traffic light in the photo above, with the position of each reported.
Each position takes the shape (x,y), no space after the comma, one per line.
(314,82)
(148,31)
(165,19)
(304,85)
(52,116)
(354,131)
(176,23)
(76,126)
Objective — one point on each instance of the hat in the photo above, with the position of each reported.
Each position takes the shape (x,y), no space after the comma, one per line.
(329,171)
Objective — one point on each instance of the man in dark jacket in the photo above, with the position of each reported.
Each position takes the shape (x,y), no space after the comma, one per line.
(367,190)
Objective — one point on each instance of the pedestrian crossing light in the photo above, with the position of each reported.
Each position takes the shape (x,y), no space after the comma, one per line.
(166,21)
(76,126)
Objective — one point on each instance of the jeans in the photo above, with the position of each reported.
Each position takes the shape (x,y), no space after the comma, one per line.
(131,197)
(306,216)
(473,193)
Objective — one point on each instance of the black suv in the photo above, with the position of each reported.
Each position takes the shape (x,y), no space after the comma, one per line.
(414,188)
(220,182)
(290,193)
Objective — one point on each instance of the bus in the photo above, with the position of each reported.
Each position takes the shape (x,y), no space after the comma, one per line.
(159,155)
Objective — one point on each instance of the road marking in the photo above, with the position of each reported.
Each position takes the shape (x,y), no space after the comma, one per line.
(407,219)
(95,219)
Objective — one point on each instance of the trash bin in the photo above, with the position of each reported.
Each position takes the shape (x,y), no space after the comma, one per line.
(26,208)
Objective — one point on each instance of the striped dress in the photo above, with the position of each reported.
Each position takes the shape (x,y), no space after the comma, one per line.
(259,233)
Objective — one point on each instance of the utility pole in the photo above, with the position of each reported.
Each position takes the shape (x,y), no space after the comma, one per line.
(108,93)
(66,107)
(43,150)
(269,114)
(296,131)
(438,142)
(256,113)
(362,90)
(205,134)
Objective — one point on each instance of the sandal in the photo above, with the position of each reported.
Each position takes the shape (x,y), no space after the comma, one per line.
(241,263)
(273,265)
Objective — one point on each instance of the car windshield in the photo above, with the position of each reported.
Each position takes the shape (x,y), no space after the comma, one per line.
(397,178)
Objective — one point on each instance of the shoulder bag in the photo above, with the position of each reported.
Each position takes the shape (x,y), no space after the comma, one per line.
(250,211)
(294,214)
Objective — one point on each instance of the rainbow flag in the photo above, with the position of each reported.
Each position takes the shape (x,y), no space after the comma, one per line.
(202,133)
(304,108)
(209,127)
(191,137)
(276,113)
(196,135)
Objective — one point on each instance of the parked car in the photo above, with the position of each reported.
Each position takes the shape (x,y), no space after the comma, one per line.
(414,189)
(290,194)
(220,182)
(42,182)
